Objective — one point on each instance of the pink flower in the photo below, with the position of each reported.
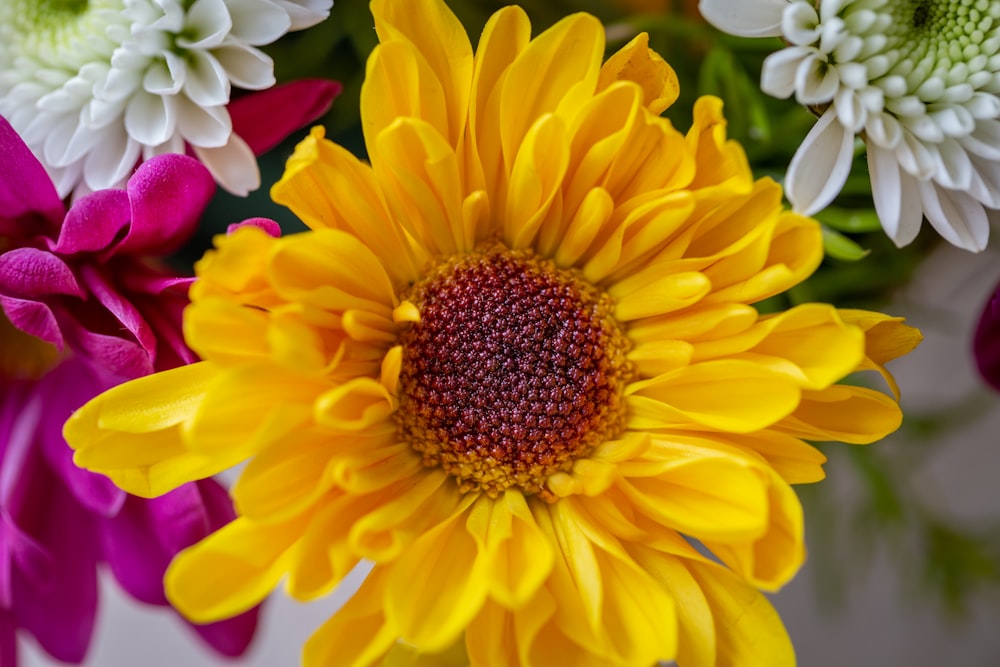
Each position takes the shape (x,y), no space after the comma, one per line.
(87,305)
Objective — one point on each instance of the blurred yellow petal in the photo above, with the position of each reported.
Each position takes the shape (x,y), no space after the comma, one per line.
(637,62)
(233,569)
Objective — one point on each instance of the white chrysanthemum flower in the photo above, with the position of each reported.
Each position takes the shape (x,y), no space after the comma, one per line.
(94,86)
(916,79)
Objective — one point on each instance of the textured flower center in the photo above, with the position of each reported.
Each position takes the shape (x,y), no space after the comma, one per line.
(515,370)
(23,357)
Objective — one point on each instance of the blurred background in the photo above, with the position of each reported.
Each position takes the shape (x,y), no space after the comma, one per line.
(904,535)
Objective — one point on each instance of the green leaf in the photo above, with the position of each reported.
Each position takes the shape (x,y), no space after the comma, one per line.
(840,247)
(850,220)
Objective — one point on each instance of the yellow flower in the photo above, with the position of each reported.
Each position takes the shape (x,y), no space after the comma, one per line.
(514,364)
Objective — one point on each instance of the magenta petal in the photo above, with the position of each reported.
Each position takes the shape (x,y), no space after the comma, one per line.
(61,617)
(117,355)
(122,309)
(135,555)
(986,343)
(168,194)
(31,272)
(269,226)
(25,188)
(8,638)
(65,388)
(263,119)
(232,636)
(93,222)
(33,317)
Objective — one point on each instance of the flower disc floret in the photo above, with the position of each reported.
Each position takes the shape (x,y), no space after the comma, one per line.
(514,370)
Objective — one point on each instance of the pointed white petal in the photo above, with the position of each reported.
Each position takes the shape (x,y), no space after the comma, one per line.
(816,82)
(208,127)
(745,18)
(954,167)
(777,78)
(258,21)
(956,216)
(820,166)
(151,119)
(800,24)
(305,13)
(850,110)
(896,196)
(247,67)
(233,166)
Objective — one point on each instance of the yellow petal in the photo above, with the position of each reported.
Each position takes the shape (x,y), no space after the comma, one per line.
(886,338)
(747,628)
(232,569)
(354,406)
(535,180)
(326,186)
(857,415)
(504,37)
(131,432)
(412,504)
(285,478)
(421,183)
(637,62)
(442,46)
(437,586)
(648,297)
(696,626)
(722,164)
(556,73)
(233,268)
(517,554)
(333,270)
(770,561)
(709,497)
(727,395)
(356,636)
(247,406)
(225,331)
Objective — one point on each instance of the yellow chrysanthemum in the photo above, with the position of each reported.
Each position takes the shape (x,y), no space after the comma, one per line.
(514,364)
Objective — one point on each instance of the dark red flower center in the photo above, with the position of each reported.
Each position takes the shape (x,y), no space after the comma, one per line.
(515,370)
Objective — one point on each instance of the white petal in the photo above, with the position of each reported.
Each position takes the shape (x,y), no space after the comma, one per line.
(257,21)
(954,120)
(305,13)
(206,25)
(985,181)
(884,130)
(800,24)
(150,119)
(954,169)
(915,157)
(246,66)
(850,111)
(983,106)
(820,166)
(816,82)
(896,196)
(984,140)
(745,18)
(207,83)
(208,127)
(234,166)
(830,8)
(854,75)
(117,158)
(160,80)
(777,78)
(956,216)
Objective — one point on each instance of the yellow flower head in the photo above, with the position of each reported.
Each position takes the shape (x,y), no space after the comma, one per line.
(514,364)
